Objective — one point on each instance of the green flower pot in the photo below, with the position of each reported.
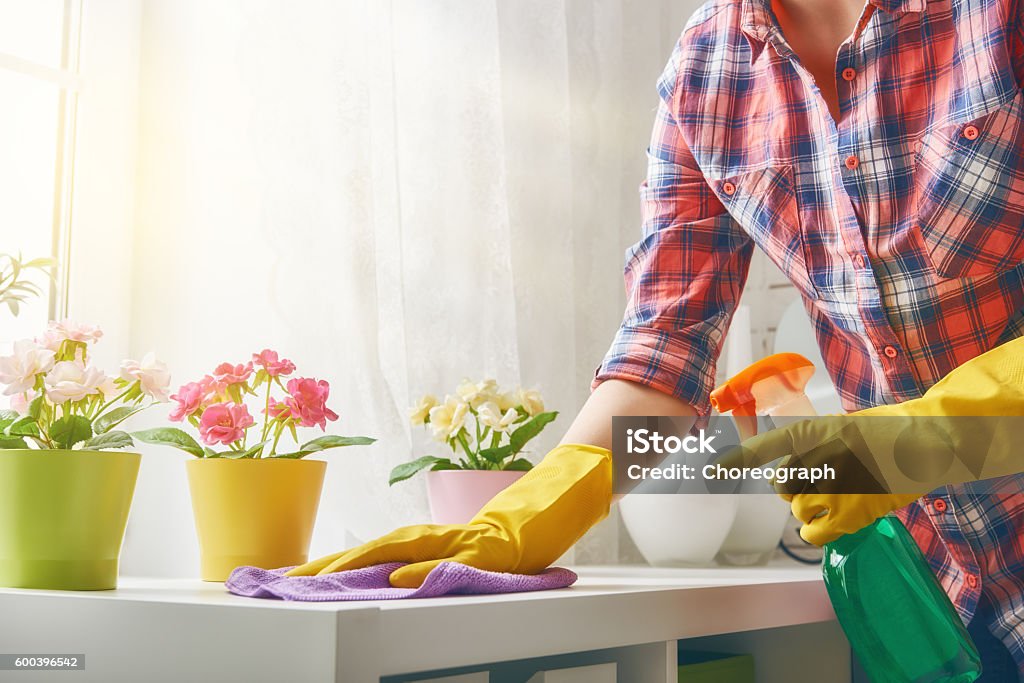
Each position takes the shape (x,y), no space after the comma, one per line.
(63,516)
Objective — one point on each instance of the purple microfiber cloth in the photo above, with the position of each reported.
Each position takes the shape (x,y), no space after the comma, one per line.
(371,583)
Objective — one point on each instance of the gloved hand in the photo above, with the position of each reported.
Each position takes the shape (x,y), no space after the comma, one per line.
(826,517)
(522,530)
(967,427)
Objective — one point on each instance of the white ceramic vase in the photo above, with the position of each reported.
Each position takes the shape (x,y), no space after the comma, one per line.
(679,530)
(757,530)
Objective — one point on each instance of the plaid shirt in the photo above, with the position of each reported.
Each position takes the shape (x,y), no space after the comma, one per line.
(901,226)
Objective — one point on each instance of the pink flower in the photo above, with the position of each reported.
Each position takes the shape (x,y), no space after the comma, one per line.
(208,385)
(268,360)
(278,410)
(190,399)
(227,374)
(57,332)
(224,423)
(307,401)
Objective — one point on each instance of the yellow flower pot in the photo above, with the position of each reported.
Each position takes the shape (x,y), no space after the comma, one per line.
(62,517)
(253,512)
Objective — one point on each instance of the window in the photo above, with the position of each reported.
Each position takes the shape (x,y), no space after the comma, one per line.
(38,88)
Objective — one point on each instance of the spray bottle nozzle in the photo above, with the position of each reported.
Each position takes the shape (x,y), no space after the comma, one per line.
(771,386)
(767,383)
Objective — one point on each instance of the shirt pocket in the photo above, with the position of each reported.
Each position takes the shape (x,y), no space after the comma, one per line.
(763,203)
(970,209)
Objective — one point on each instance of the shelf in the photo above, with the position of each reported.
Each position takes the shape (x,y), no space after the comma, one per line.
(187,630)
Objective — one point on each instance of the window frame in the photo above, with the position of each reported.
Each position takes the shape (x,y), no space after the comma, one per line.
(66,77)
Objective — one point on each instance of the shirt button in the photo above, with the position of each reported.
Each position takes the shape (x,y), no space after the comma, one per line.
(852,162)
(939,505)
(972,580)
(971,132)
(849,74)
(890,351)
(858,260)
(728,188)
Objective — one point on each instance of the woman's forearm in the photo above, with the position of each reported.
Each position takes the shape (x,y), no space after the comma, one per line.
(615,397)
(593,424)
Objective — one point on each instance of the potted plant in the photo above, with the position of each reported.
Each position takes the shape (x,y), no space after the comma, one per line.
(65,490)
(15,288)
(486,430)
(254,500)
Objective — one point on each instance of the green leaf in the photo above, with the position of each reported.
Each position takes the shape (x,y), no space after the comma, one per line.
(170,436)
(7,418)
(13,442)
(530,429)
(105,422)
(232,455)
(23,426)
(28,288)
(114,439)
(324,442)
(445,464)
(41,262)
(496,455)
(209,452)
(295,455)
(35,408)
(134,392)
(312,447)
(518,465)
(408,469)
(254,450)
(69,430)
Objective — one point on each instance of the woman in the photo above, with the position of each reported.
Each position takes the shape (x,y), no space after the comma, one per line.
(876,154)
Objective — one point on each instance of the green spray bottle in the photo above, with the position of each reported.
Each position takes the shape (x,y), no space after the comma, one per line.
(899,621)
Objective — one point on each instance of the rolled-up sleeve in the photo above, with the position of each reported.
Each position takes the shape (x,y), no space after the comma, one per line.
(683,278)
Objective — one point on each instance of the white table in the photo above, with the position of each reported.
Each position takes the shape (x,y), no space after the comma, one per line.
(186,630)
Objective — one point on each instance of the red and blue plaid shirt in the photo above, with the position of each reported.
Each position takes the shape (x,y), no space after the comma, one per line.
(901,224)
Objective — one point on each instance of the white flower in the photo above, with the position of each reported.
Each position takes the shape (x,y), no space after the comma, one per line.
(152,375)
(530,400)
(506,401)
(418,413)
(20,402)
(475,393)
(448,418)
(490,415)
(58,332)
(71,380)
(108,387)
(18,371)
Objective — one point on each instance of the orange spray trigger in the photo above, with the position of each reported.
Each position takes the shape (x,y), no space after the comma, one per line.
(771,386)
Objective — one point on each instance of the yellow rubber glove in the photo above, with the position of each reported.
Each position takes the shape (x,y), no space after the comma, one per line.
(522,530)
(968,427)
(826,517)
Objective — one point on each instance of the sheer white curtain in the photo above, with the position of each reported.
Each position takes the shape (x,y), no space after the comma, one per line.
(395,194)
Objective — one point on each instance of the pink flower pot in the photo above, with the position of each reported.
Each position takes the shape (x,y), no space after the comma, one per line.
(457,495)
